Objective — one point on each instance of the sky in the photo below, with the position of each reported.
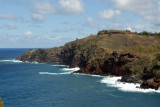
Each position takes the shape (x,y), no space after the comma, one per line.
(50,23)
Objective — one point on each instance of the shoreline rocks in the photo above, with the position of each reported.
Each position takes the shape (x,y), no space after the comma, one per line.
(130,79)
(110,53)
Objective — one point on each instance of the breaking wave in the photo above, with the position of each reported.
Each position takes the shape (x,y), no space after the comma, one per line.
(61,65)
(13,60)
(126,87)
(18,61)
(70,70)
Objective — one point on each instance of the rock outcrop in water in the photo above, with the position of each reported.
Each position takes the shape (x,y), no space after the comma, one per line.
(118,53)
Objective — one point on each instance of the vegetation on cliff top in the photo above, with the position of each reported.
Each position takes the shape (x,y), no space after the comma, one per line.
(97,50)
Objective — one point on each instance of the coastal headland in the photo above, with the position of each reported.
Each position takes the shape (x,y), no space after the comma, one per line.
(134,56)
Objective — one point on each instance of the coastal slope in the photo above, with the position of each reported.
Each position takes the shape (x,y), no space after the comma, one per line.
(134,56)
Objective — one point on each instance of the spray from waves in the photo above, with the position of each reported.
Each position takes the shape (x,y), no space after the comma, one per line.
(13,60)
(126,87)
(89,75)
(18,61)
(35,62)
(70,70)
(61,65)
(47,73)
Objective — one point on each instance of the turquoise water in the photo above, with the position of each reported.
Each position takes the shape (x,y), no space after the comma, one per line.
(50,85)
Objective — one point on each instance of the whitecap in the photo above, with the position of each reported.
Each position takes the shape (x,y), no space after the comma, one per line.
(34,62)
(126,87)
(62,73)
(71,69)
(18,61)
(89,75)
(61,65)
(13,60)
(47,73)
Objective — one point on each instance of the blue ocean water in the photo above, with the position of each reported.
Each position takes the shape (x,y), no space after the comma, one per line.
(50,85)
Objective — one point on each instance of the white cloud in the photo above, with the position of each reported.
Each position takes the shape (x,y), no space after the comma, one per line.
(148,9)
(10,26)
(28,34)
(52,38)
(137,6)
(37,17)
(41,9)
(113,26)
(90,22)
(129,28)
(61,30)
(139,27)
(108,14)
(72,7)
(14,39)
(155,19)
(7,16)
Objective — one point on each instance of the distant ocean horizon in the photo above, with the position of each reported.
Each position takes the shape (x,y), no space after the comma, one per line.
(24,84)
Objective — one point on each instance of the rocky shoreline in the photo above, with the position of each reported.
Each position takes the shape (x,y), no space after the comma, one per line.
(96,59)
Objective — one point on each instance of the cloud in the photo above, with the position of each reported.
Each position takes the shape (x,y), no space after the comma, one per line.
(72,7)
(108,14)
(57,38)
(155,19)
(38,17)
(28,34)
(139,27)
(60,30)
(24,20)
(148,9)
(8,16)
(90,22)
(10,26)
(41,9)
(129,28)
(137,6)
(14,39)
(113,26)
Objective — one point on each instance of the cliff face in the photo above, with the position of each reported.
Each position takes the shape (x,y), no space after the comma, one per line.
(117,53)
(41,55)
(112,65)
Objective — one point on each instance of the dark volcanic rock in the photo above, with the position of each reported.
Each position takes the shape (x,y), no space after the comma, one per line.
(151,85)
(41,55)
(112,65)
(130,79)
(108,53)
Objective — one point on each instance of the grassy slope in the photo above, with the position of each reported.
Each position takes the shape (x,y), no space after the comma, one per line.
(96,49)
(147,47)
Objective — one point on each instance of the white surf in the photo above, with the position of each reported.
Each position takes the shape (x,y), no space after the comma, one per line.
(126,87)
(12,60)
(70,70)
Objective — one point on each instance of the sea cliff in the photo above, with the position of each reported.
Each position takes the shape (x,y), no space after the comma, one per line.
(135,56)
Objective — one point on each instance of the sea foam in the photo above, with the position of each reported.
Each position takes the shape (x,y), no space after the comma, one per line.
(18,61)
(61,65)
(13,60)
(70,70)
(126,87)
(89,75)
(47,73)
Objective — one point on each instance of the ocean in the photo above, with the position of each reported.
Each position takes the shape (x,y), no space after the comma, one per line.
(24,84)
